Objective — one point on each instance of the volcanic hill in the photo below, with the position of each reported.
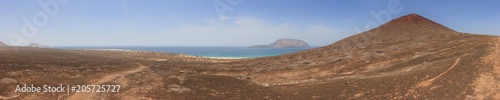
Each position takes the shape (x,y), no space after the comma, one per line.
(410,57)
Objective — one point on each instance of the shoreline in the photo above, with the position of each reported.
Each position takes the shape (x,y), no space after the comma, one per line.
(188,55)
(123,50)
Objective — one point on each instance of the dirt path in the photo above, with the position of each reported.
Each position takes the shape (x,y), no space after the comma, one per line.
(107,78)
(428,82)
(487,86)
(496,53)
(11,97)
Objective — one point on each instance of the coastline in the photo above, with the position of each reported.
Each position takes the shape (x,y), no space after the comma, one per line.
(186,55)
(203,52)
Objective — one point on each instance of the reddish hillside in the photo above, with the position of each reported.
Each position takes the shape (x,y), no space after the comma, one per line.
(409,57)
(411,27)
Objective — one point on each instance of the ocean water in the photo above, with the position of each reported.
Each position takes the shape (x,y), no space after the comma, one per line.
(214,52)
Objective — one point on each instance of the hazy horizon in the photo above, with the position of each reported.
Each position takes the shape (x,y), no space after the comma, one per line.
(232,23)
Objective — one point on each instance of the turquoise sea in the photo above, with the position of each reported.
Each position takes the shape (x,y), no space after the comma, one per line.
(215,52)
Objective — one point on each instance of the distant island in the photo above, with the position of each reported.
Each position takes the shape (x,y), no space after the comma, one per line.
(283,43)
(30,45)
(38,45)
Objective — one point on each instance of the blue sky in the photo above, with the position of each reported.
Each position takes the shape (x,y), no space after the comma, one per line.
(197,22)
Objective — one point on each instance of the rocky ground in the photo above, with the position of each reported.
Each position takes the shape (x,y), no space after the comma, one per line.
(429,61)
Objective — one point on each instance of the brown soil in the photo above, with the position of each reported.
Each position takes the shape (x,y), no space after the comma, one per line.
(410,57)
(106,78)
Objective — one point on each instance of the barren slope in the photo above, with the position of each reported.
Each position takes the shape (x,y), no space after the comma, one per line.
(410,57)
